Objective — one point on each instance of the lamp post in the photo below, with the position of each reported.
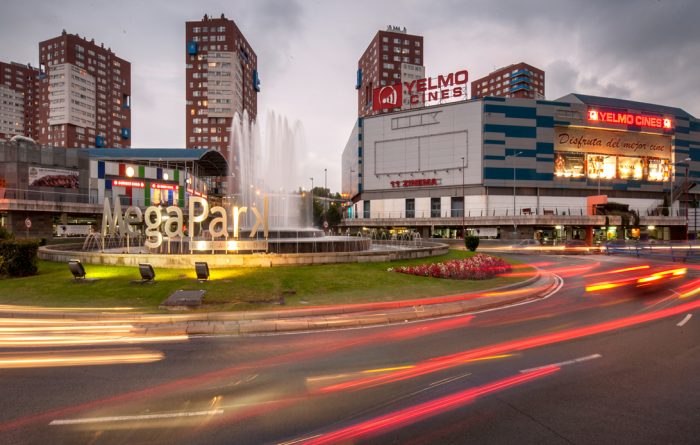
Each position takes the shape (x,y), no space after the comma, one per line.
(325,187)
(600,172)
(515,223)
(687,166)
(464,206)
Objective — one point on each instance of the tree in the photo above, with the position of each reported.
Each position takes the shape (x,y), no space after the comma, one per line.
(334,215)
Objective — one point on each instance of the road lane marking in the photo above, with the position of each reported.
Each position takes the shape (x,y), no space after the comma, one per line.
(450,379)
(141,417)
(684,321)
(300,440)
(560,364)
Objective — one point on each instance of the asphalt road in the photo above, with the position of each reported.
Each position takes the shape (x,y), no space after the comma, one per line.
(577,367)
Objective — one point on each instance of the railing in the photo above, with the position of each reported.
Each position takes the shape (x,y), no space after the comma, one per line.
(664,250)
(47,195)
(508,211)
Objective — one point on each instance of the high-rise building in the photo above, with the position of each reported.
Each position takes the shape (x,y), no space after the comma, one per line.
(84,94)
(221,80)
(18,100)
(518,80)
(392,57)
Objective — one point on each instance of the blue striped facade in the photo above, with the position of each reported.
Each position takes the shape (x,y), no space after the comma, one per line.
(526,126)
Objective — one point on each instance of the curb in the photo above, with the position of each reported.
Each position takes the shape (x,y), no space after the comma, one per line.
(359,319)
(311,319)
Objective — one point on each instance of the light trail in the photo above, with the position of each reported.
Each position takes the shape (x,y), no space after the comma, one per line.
(78,358)
(41,341)
(446,362)
(401,418)
(398,333)
(177,415)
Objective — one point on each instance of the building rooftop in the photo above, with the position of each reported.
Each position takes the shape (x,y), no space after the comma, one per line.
(608,102)
(208,162)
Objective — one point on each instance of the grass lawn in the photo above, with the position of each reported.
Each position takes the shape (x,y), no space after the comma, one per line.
(238,288)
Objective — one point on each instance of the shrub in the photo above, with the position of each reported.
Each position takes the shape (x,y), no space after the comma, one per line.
(19,257)
(471,242)
(5,234)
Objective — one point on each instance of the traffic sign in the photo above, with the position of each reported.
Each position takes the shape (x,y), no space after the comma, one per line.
(28,223)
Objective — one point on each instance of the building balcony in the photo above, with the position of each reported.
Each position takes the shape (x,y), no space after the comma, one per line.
(524,87)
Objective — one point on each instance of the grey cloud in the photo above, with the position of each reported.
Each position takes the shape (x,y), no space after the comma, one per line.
(644,50)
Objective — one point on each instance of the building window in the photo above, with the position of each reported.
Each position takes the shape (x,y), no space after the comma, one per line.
(365,210)
(410,208)
(435,207)
(457,207)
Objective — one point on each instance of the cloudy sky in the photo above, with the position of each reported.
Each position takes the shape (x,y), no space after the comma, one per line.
(646,50)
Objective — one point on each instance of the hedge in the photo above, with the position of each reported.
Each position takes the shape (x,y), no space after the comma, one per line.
(471,242)
(19,257)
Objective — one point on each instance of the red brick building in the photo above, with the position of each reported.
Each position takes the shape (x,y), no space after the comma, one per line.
(84,94)
(518,80)
(18,100)
(221,79)
(393,56)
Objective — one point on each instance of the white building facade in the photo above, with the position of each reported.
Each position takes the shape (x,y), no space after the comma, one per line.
(525,168)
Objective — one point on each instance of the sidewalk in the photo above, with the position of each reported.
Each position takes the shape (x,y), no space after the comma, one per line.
(313,318)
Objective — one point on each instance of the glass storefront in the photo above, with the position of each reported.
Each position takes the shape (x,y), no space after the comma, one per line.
(659,169)
(600,166)
(569,165)
(630,168)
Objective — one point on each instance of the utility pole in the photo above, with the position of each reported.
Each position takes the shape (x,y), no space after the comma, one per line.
(464,202)
(687,203)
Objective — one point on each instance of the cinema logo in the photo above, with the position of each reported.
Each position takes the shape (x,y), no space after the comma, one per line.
(172,224)
(421,91)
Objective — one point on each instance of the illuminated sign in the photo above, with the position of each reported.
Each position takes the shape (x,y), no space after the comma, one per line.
(196,193)
(442,87)
(129,183)
(415,183)
(637,120)
(612,142)
(172,222)
(159,186)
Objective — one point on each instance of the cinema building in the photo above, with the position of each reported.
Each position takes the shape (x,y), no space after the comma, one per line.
(580,167)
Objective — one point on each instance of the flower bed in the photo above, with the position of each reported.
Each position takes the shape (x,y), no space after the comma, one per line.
(478,267)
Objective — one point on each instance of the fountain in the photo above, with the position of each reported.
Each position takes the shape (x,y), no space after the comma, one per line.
(266,167)
(262,176)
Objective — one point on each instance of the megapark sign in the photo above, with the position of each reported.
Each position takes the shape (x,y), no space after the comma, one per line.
(172,224)
(421,91)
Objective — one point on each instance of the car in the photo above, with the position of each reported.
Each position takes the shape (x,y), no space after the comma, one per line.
(576,246)
(527,243)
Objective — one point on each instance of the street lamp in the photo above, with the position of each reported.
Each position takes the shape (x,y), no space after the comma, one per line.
(514,155)
(600,172)
(687,165)
(464,202)
(325,187)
